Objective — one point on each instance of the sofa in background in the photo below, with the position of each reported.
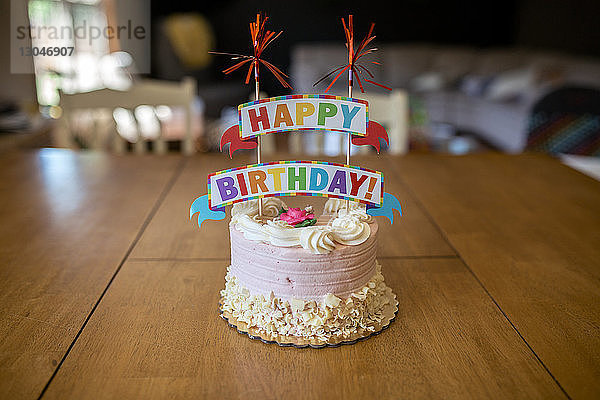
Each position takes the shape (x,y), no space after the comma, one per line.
(487,92)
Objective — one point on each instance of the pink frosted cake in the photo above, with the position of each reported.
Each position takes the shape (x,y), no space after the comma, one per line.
(291,279)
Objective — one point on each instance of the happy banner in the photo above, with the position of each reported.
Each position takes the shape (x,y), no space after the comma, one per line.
(303,112)
(295,178)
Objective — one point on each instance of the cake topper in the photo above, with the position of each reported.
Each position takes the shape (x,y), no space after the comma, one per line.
(299,112)
(354,55)
(261,39)
(356,69)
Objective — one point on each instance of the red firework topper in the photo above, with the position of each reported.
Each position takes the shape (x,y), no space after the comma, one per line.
(356,70)
(261,39)
(354,55)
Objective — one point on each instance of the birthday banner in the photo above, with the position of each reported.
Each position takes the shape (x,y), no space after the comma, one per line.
(295,178)
(303,112)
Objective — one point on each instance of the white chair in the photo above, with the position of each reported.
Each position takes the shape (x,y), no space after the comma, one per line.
(142,92)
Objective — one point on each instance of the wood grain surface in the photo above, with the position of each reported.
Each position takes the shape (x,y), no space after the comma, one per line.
(529,229)
(109,291)
(67,222)
(157,334)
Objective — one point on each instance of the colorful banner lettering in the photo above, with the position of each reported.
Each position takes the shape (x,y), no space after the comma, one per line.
(303,112)
(295,178)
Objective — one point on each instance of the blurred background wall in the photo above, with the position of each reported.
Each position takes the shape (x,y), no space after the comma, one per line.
(468,68)
(569,26)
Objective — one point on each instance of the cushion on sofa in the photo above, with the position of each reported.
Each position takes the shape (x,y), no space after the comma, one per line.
(511,85)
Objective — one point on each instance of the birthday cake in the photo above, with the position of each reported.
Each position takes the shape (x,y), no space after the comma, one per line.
(297,276)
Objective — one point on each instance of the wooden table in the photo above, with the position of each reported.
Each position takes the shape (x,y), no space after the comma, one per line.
(107,290)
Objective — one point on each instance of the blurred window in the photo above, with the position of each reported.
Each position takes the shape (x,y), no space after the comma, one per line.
(73,24)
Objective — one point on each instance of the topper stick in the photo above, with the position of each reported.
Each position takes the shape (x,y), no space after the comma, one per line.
(355,70)
(349,135)
(350,62)
(261,38)
(258,148)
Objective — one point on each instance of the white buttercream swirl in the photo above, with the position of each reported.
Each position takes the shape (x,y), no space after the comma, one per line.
(359,212)
(333,205)
(317,239)
(347,228)
(282,234)
(252,230)
(270,208)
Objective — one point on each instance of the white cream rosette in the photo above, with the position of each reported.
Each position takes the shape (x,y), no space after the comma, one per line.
(333,205)
(359,212)
(270,208)
(349,230)
(317,239)
(347,227)
(252,229)
(281,234)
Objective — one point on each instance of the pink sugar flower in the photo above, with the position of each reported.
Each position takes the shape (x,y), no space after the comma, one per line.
(295,216)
